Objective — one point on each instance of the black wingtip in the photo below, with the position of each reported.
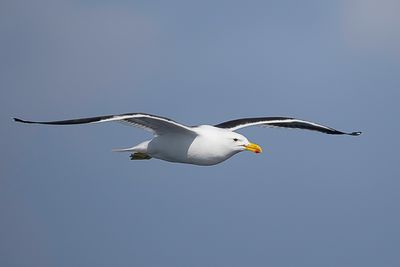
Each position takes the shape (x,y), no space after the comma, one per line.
(22,121)
(355,133)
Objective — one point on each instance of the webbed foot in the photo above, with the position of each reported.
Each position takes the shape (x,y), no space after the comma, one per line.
(139,156)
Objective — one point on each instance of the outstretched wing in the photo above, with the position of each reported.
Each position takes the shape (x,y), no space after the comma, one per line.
(284,122)
(155,124)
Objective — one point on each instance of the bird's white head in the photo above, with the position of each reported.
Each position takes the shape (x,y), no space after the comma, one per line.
(214,145)
(239,143)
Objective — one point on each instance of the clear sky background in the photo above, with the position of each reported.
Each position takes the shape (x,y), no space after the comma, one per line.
(309,200)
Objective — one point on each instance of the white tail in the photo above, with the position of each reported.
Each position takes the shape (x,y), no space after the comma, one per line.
(131,149)
(142,148)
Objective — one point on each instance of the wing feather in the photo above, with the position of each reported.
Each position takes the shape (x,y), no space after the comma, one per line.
(155,124)
(283,122)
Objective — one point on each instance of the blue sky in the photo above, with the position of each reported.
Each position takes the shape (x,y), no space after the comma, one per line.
(308,200)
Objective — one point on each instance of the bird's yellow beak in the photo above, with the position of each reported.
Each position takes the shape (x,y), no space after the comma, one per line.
(253,148)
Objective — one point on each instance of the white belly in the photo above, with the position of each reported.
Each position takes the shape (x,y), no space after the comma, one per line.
(187,149)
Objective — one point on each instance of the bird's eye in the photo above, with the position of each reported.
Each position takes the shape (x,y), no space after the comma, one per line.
(235,139)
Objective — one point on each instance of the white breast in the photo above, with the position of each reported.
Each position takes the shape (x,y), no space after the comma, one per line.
(204,149)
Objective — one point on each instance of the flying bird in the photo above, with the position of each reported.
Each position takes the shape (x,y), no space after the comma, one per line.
(199,145)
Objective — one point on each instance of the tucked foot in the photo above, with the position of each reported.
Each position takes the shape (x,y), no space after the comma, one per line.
(139,156)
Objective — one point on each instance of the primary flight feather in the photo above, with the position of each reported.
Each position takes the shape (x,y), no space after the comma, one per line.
(199,145)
